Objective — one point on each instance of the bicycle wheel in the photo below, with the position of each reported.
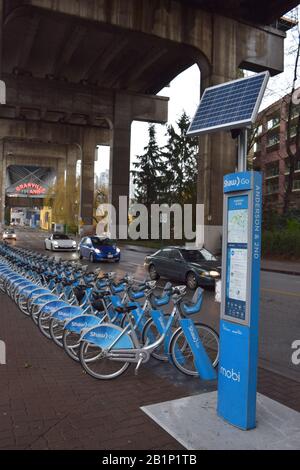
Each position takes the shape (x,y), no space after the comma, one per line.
(34,312)
(56,329)
(95,363)
(181,352)
(71,344)
(44,324)
(22,304)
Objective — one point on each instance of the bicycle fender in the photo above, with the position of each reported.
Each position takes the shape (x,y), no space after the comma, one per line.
(81,322)
(161,322)
(202,361)
(107,334)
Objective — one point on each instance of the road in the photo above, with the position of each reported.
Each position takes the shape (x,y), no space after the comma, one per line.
(280,304)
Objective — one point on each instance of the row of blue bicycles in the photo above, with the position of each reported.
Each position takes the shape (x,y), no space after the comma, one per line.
(104,323)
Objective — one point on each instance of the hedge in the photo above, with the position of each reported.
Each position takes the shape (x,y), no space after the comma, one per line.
(285,243)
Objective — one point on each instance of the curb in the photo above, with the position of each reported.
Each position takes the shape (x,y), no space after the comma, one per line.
(281,271)
(139,250)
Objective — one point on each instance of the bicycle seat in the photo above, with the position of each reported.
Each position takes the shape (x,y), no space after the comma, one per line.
(100,295)
(117,288)
(97,304)
(125,308)
(193,306)
(160,300)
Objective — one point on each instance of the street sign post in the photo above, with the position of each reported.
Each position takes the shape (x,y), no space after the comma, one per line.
(240,299)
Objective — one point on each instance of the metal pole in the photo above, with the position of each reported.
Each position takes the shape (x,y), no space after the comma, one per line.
(242,150)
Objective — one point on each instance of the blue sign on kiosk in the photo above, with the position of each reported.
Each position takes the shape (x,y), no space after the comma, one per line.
(240,299)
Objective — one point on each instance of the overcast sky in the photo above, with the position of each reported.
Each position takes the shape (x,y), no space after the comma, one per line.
(184,94)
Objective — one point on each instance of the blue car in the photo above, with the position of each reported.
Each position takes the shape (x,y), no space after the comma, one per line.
(99,249)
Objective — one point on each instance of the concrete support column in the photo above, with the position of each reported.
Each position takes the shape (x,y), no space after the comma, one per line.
(2,182)
(72,157)
(60,170)
(72,194)
(87,179)
(1,34)
(218,151)
(120,161)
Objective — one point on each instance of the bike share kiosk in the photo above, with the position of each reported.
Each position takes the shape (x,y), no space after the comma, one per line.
(234,105)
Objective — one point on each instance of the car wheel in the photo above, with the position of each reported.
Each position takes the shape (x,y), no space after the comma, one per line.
(91,258)
(52,249)
(191,280)
(80,255)
(153,273)
(117,260)
(46,247)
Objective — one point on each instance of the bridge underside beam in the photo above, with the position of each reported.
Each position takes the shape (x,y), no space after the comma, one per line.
(51,101)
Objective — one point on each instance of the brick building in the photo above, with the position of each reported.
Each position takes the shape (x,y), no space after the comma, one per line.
(270,154)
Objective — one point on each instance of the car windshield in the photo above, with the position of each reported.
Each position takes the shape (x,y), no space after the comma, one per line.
(208,255)
(196,256)
(10,230)
(60,236)
(102,241)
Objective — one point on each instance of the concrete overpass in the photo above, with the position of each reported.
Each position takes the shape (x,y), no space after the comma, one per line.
(78,72)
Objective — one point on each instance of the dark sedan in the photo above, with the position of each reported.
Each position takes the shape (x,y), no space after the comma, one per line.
(193,266)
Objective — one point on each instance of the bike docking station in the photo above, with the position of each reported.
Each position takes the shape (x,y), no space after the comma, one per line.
(218,420)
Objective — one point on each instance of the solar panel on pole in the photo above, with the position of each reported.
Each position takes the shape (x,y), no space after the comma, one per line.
(232,105)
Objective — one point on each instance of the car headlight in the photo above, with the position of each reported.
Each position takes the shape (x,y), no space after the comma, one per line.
(118,250)
(14,235)
(214,273)
(204,273)
(74,243)
(97,251)
(55,243)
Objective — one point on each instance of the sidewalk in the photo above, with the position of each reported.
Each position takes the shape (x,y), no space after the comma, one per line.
(48,402)
(284,267)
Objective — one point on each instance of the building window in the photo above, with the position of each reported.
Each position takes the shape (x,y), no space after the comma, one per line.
(296,185)
(295,111)
(257,146)
(272,140)
(275,121)
(293,130)
(272,169)
(259,130)
(287,165)
(272,186)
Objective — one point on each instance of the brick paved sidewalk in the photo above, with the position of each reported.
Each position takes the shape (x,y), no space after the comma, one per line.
(48,402)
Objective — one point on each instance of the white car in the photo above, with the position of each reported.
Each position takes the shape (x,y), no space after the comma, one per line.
(60,241)
(9,234)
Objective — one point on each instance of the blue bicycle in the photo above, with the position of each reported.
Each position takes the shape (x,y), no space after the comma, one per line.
(107,350)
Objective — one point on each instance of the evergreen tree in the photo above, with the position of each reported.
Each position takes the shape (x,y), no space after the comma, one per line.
(148,174)
(180,156)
